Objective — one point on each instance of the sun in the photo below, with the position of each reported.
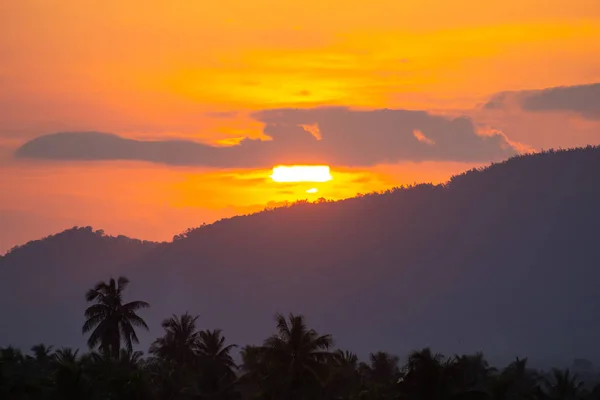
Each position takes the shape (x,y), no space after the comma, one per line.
(301,173)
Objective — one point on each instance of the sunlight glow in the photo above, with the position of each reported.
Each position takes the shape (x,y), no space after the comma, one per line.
(301,173)
(312,190)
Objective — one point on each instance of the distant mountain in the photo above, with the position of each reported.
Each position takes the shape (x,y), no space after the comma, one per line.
(42,283)
(503,259)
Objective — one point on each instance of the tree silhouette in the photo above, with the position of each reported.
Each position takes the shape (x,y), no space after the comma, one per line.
(380,377)
(296,356)
(175,355)
(428,375)
(471,372)
(295,363)
(180,340)
(212,348)
(517,381)
(110,321)
(343,380)
(70,378)
(42,353)
(562,385)
(254,382)
(122,377)
(216,366)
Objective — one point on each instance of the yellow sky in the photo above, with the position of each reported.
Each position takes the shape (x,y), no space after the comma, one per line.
(154,70)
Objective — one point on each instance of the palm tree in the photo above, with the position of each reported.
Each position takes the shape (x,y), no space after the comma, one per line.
(42,361)
(16,378)
(118,378)
(471,373)
(516,381)
(256,370)
(211,346)
(11,355)
(111,321)
(427,375)
(562,386)
(70,380)
(66,356)
(343,381)
(180,341)
(42,353)
(297,357)
(217,367)
(175,356)
(381,376)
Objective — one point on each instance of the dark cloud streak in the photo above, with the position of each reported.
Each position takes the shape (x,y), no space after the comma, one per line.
(580,99)
(349,137)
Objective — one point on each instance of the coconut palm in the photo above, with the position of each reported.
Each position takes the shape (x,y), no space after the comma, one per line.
(175,360)
(180,341)
(217,368)
(70,379)
(118,378)
(42,353)
(211,346)
(110,320)
(11,355)
(380,377)
(256,371)
(297,357)
(343,381)
(562,385)
(428,375)
(17,379)
(41,363)
(516,381)
(471,372)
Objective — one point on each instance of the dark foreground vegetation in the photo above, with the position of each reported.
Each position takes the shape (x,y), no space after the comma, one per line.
(295,363)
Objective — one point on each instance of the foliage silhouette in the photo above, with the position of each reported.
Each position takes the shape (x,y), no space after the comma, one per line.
(109,320)
(295,362)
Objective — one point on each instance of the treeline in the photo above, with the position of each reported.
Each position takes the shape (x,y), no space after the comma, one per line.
(295,363)
(77,233)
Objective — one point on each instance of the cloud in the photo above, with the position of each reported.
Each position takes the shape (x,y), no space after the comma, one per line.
(422,138)
(337,136)
(583,100)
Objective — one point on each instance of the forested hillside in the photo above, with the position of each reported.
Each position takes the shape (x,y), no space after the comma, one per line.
(503,260)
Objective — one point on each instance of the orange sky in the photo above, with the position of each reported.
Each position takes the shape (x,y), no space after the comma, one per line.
(150,71)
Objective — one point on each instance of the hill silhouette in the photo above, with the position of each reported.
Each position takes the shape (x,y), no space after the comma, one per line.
(502,259)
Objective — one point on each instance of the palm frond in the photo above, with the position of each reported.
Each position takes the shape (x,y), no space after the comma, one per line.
(135,305)
(95,310)
(122,283)
(136,320)
(92,322)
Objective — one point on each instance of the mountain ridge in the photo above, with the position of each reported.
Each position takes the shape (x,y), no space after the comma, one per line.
(468,174)
(477,263)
